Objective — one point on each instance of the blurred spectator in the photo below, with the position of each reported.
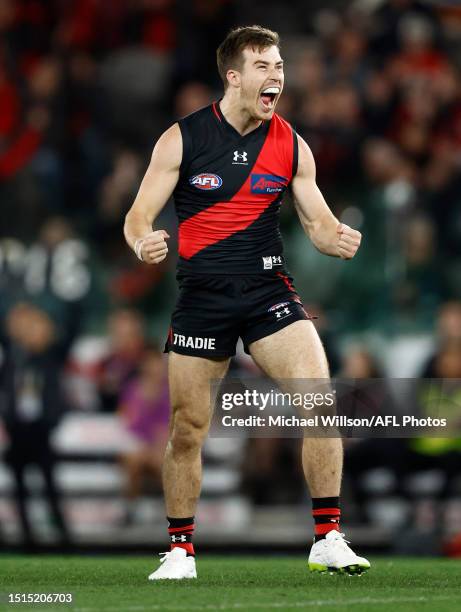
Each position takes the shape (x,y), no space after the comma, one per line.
(405,458)
(418,56)
(32,404)
(366,454)
(126,348)
(441,456)
(271,474)
(201,26)
(349,57)
(388,24)
(421,287)
(144,410)
(437,395)
(330,122)
(358,362)
(55,270)
(446,360)
(190,97)
(379,103)
(118,190)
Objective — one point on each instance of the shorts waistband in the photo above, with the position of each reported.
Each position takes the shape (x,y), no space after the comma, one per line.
(270,265)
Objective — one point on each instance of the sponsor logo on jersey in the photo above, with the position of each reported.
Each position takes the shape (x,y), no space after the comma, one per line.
(206,181)
(272,260)
(267,183)
(195,342)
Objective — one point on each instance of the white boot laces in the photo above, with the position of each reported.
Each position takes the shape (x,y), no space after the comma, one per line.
(341,541)
(165,555)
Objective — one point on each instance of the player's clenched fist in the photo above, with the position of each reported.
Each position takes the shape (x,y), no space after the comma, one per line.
(348,241)
(152,248)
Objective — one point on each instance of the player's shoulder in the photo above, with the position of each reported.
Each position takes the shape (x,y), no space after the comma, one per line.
(306,162)
(304,148)
(196,130)
(170,139)
(168,149)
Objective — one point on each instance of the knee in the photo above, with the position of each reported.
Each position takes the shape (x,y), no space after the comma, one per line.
(187,435)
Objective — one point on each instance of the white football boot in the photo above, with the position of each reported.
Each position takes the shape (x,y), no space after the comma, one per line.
(332,554)
(175,565)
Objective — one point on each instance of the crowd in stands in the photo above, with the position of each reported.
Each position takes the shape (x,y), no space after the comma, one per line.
(87,86)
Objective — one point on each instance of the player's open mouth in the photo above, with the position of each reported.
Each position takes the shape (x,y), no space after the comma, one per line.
(268,96)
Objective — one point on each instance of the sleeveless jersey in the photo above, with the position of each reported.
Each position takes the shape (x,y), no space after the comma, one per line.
(229,193)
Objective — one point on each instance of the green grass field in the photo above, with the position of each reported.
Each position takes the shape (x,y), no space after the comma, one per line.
(103,583)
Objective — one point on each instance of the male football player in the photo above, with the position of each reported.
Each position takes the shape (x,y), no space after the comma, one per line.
(228,166)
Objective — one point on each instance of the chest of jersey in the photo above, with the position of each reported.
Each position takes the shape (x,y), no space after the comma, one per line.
(230,188)
(221,166)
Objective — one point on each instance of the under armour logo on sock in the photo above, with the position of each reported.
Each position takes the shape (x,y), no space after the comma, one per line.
(181,538)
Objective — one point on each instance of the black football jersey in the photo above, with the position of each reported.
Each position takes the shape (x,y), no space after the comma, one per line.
(229,193)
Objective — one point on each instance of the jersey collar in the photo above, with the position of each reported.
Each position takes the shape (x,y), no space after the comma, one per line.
(230,128)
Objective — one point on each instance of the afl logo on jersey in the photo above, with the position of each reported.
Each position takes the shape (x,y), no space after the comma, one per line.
(206,181)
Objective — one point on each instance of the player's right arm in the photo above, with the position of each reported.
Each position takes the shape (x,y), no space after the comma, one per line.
(155,190)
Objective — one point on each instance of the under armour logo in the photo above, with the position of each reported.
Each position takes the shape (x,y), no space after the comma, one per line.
(241,158)
(276,260)
(181,538)
(285,311)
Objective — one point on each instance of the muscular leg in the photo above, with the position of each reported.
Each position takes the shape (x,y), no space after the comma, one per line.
(297,352)
(189,379)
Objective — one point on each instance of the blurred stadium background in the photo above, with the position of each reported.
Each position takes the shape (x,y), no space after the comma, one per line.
(86,87)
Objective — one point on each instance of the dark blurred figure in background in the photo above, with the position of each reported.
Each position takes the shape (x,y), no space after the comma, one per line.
(448,336)
(126,340)
(363,455)
(271,474)
(438,395)
(32,404)
(144,410)
(192,96)
(429,471)
(406,458)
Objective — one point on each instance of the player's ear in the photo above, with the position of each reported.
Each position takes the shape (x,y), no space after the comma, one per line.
(233,78)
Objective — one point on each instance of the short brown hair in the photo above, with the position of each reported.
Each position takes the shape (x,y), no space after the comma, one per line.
(229,53)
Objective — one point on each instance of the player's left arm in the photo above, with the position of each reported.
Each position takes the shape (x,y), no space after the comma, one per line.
(327,234)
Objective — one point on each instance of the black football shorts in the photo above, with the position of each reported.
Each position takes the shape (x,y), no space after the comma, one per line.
(213,311)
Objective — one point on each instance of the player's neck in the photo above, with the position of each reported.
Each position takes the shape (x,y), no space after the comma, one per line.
(239,119)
